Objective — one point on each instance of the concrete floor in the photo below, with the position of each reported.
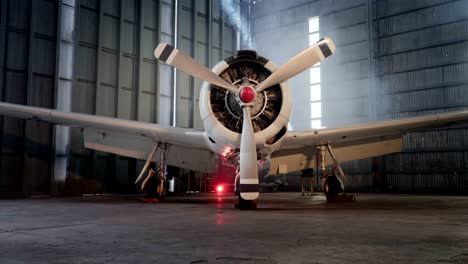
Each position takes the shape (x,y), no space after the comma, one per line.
(287,228)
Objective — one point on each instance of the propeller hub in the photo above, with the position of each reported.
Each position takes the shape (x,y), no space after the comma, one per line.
(247,94)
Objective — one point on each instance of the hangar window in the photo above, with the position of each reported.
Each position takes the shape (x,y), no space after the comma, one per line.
(314,81)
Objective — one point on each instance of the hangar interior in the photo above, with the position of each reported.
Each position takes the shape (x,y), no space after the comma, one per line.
(394,59)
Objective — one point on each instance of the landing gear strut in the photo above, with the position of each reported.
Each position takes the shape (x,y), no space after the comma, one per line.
(158,193)
(162,173)
(333,186)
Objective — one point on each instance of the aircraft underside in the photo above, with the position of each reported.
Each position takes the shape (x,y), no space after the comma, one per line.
(332,180)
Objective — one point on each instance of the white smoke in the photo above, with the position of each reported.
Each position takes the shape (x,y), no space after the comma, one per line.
(231,8)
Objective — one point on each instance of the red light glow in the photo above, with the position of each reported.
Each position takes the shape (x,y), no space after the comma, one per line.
(226,151)
(219,188)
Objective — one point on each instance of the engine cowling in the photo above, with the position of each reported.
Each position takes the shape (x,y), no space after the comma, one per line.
(222,115)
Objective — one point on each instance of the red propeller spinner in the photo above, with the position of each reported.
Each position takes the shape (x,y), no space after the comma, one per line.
(247,94)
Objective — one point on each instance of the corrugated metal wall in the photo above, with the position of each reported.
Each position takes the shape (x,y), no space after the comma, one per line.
(345,77)
(115,75)
(95,57)
(207,40)
(280,31)
(28,58)
(422,69)
(394,59)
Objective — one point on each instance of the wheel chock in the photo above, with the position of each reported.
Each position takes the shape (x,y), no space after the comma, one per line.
(150,200)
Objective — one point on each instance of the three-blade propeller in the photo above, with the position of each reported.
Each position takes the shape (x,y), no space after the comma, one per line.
(246,96)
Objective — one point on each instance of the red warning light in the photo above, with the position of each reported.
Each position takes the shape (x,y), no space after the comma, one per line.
(219,188)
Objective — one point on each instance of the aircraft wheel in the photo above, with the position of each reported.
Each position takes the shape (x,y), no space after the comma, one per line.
(332,188)
(246,204)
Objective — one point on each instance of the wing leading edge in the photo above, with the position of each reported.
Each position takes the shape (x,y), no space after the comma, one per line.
(311,137)
(159,134)
(298,150)
(128,138)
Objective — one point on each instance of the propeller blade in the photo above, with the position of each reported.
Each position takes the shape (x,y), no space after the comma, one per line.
(177,59)
(299,63)
(248,182)
(148,162)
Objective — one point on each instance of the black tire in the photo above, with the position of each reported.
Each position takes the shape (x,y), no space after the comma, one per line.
(331,188)
(246,204)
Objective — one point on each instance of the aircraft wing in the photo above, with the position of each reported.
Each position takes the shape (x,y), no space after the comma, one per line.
(126,137)
(299,148)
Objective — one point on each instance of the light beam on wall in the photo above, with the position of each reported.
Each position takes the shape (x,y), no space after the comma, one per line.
(315,87)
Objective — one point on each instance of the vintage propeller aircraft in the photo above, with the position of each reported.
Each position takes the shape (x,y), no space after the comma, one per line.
(245,105)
